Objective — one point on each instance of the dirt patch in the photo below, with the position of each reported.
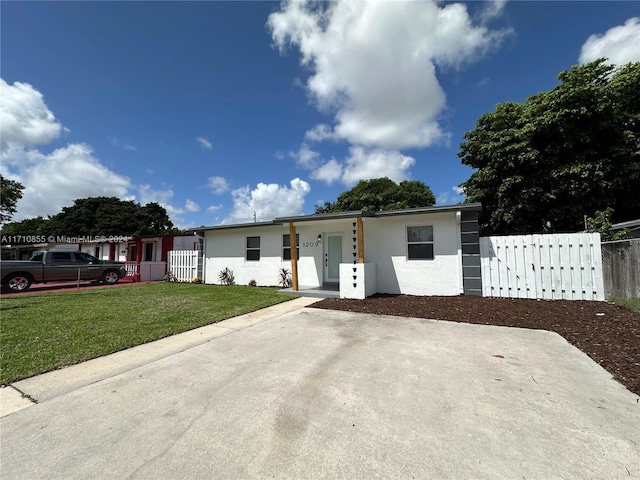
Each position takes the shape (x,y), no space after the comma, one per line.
(608,333)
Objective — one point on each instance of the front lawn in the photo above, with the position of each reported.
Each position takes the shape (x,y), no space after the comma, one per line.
(39,333)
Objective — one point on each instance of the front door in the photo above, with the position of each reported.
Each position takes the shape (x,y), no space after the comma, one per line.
(332,257)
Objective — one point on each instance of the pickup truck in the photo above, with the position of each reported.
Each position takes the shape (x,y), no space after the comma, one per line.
(53,266)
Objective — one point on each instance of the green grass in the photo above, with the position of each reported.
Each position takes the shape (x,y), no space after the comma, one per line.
(40,333)
(632,303)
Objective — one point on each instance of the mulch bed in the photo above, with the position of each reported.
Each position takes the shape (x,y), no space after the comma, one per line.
(612,339)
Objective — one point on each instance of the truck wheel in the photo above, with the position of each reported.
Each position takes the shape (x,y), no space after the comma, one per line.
(110,277)
(18,282)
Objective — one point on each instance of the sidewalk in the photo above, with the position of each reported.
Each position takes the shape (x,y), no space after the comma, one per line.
(24,393)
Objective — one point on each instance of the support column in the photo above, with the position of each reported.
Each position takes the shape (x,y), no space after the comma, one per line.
(136,277)
(360,236)
(294,256)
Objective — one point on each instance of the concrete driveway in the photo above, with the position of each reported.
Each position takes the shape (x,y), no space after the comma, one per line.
(323,394)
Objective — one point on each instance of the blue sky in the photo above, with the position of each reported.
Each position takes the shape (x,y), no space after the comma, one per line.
(217,110)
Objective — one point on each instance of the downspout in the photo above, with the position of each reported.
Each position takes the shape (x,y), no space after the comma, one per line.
(204,243)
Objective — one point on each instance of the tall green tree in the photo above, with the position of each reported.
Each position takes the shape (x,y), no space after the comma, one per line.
(98,216)
(381,194)
(38,226)
(10,193)
(573,151)
(156,220)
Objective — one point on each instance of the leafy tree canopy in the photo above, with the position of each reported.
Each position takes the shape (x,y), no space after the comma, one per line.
(381,194)
(10,193)
(98,216)
(543,164)
(601,223)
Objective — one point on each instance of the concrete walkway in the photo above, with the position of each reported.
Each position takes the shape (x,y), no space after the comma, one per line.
(313,393)
(26,393)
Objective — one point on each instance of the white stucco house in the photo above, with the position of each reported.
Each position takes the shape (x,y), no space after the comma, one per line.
(419,251)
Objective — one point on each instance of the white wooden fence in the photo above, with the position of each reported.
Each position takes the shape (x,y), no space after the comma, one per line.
(183,264)
(551,267)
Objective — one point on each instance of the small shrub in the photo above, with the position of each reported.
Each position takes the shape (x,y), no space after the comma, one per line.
(226,277)
(284,278)
(252,283)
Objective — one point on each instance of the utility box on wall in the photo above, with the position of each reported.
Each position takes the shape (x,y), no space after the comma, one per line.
(357,280)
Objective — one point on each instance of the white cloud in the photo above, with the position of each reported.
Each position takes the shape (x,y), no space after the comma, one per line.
(620,44)
(305,157)
(319,133)
(214,208)
(191,206)
(126,146)
(218,185)
(493,9)
(24,117)
(55,180)
(148,195)
(448,198)
(365,164)
(374,64)
(329,172)
(163,198)
(204,143)
(268,201)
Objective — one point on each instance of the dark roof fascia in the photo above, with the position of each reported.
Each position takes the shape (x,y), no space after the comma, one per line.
(628,224)
(443,209)
(324,216)
(344,215)
(233,225)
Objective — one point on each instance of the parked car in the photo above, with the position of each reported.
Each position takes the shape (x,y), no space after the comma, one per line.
(53,266)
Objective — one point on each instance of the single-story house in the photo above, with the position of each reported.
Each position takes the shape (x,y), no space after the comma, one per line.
(417,251)
(146,256)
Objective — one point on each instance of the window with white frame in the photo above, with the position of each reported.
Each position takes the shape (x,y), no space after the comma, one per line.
(420,243)
(286,246)
(253,248)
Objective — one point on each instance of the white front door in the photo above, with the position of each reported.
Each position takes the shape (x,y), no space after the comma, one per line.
(332,257)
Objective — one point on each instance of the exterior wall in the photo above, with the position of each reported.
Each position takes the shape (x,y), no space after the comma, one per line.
(385,253)
(357,280)
(313,256)
(185,242)
(120,250)
(226,248)
(385,243)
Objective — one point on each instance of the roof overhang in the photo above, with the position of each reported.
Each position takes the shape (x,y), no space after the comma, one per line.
(320,217)
(628,224)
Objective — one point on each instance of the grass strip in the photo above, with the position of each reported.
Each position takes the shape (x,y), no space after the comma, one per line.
(40,333)
(632,303)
